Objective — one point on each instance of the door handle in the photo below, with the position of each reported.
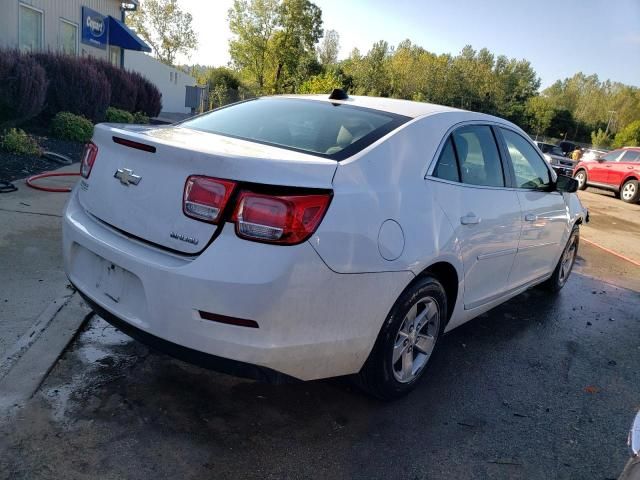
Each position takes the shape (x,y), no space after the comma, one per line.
(470,219)
(530,217)
(630,167)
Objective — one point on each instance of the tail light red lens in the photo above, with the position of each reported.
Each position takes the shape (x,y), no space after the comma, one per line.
(205,197)
(88,159)
(284,220)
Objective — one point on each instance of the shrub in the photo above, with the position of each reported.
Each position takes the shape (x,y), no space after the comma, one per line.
(124,89)
(629,136)
(115,115)
(67,126)
(140,117)
(23,86)
(18,141)
(149,99)
(76,85)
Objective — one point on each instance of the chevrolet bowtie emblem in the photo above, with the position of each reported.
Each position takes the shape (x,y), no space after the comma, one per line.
(127,177)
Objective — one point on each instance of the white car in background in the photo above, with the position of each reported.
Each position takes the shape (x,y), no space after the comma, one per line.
(311,237)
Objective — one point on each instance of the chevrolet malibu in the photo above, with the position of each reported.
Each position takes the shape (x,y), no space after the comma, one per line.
(309,236)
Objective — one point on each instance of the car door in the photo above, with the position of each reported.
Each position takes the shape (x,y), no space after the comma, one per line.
(598,171)
(544,211)
(468,182)
(620,170)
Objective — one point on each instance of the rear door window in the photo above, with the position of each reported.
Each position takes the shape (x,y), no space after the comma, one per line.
(478,157)
(447,166)
(320,128)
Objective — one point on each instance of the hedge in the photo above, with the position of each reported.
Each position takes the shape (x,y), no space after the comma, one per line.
(23,86)
(76,85)
(43,84)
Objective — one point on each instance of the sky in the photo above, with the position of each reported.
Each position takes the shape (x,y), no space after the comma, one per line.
(558,37)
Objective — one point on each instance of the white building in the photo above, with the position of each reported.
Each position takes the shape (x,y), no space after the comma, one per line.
(170,81)
(89,28)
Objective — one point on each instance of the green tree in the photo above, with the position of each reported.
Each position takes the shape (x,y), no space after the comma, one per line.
(329,48)
(274,41)
(165,27)
(629,136)
(323,83)
(541,112)
(253,23)
(300,28)
(600,138)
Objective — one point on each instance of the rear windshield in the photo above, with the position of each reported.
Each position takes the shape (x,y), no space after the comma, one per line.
(329,130)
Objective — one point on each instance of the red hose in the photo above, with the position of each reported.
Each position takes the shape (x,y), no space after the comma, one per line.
(31,179)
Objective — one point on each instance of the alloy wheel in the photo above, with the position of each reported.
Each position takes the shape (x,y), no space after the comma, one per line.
(568,259)
(580,177)
(628,191)
(416,339)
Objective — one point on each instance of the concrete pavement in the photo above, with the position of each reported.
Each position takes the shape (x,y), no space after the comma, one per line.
(31,277)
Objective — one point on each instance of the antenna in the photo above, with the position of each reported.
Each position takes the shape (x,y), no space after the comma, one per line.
(338,94)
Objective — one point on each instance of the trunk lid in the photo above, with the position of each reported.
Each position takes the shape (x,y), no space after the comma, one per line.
(152,209)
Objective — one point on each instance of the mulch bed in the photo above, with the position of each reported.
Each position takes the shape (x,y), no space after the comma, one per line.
(14,167)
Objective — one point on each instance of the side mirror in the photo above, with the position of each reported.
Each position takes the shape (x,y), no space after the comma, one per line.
(566,184)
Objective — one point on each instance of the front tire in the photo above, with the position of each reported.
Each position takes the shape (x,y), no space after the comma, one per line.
(565,264)
(630,192)
(581,177)
(406,342)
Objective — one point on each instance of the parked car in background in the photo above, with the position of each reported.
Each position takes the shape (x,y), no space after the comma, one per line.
(554,156)
(567,147)
(591,154)
(617,171)
(232,239)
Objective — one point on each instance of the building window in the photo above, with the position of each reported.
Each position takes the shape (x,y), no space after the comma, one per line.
(175,78)
(171,76)
(30,28)
(68,39)
(114,56)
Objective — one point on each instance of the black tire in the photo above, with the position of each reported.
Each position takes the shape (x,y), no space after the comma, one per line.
(582,184)
(378,375)
(560,274)
(630,191)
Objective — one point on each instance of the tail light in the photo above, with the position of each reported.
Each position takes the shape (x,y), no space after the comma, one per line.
(284,220)
(205,197)
(88,159)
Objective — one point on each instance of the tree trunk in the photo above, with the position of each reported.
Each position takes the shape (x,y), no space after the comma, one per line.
(277,79)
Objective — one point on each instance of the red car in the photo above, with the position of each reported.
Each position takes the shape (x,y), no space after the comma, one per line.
(618,171)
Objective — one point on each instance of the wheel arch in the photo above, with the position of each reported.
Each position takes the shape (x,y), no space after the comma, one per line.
(632,176)
(448,276)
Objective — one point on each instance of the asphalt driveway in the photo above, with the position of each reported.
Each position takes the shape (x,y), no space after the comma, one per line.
(541,387)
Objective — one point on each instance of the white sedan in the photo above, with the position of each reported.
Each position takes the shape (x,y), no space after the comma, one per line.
(315,236)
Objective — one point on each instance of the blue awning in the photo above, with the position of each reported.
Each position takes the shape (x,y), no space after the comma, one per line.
(122,36)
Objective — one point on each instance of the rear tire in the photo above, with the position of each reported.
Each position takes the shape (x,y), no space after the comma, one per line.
(630,192)
(407,341)
(565,264)
(581,177)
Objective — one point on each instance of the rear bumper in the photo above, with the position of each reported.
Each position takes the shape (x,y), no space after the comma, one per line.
(196,357)
(313,323)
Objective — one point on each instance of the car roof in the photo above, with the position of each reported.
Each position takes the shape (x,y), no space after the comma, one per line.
(407,108)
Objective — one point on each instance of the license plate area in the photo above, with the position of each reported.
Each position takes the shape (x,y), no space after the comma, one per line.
(111,281)
(112,286)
